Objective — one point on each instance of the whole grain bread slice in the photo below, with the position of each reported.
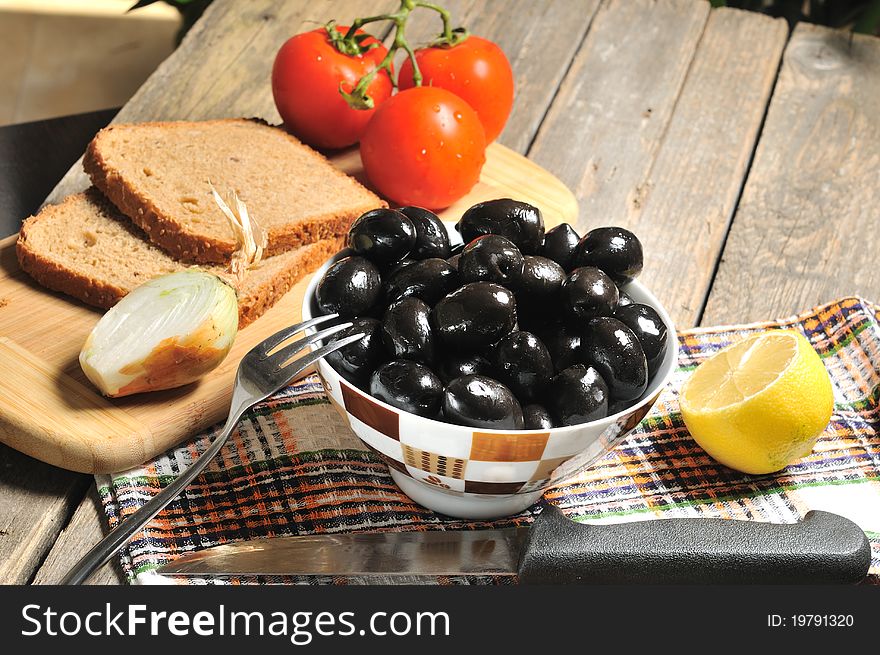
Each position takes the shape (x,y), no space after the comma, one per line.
(158,175)
(85,248)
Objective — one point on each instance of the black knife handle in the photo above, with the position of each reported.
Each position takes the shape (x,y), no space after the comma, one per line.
(823,548)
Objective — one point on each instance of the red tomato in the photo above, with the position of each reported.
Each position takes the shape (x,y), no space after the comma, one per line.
(476,70)
(306,78)
(424,147)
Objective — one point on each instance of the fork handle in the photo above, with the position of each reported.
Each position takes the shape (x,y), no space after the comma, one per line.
(118,536)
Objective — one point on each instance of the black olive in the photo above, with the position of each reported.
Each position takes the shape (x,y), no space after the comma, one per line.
(564,345)
(454,365)
(409,386)
(624,299)
(532,319)
(428,279)
(491,258)
(614,350)
(406,330)
(536,417)
(520,222)
(576,395)
(523,363)
(384,236)
(559,245)
(399,266)
(432,239)
(614,250)
(350,287)
(649,329)
(588,293)
(474,316)
(356,361)
(481,402)
(539,282)
(456,249)
(453,261)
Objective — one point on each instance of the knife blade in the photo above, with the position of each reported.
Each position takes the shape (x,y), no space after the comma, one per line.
(361,554)
(822,548)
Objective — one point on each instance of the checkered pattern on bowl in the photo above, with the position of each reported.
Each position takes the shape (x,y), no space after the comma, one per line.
(474,461)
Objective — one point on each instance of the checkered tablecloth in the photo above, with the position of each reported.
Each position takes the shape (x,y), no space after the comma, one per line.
(294,467)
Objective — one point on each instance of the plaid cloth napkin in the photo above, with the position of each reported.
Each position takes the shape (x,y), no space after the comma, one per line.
(294,467)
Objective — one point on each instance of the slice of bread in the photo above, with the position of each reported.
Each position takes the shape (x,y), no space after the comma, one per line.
(158,173)
(85,248)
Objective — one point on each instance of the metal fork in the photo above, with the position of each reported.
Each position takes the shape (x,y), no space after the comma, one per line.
(262,371)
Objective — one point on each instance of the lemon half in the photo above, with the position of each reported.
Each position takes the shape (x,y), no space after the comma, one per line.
(760,404)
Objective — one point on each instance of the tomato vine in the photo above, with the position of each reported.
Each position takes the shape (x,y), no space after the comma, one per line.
(352,43)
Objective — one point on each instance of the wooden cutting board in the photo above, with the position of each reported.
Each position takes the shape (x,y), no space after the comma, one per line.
(50,411)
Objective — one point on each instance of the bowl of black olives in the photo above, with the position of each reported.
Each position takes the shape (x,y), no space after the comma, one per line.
(498,357)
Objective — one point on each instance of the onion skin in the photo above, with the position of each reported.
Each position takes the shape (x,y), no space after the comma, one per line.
(175,362)
(176,359)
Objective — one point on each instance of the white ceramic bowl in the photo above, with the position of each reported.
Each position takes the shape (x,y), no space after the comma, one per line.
(480,474)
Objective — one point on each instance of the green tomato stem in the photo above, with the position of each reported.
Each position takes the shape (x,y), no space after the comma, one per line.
(448,37)
(349,44)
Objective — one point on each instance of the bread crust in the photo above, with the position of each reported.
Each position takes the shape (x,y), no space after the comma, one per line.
(256,303)
(173,237)
(52,275)
(102,294)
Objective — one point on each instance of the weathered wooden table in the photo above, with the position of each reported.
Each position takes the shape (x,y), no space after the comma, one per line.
(746,157)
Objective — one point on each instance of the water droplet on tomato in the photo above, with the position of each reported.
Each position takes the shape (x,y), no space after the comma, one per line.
(424,152)
(458,116)
(437,109)
(320,58)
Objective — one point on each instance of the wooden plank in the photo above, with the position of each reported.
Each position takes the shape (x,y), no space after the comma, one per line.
(806,230)
(539,38)
(223,66)
(238,37)
(50,411)
(611,112)
(35,503)
(654,127)
(682,210)
(84,530)
(192,85)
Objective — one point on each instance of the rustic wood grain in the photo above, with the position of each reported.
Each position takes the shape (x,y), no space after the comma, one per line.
(35,499)
(234,81)
(683,208)
(35,503)
(50,411)
(539,38)
(86,527)
(806,230)
(608,120)
(654,127)
(223,67)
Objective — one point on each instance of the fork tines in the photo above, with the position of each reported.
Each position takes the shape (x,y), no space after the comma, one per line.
(282,356)
(269,344)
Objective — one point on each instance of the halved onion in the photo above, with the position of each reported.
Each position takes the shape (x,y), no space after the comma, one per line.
(167,332)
